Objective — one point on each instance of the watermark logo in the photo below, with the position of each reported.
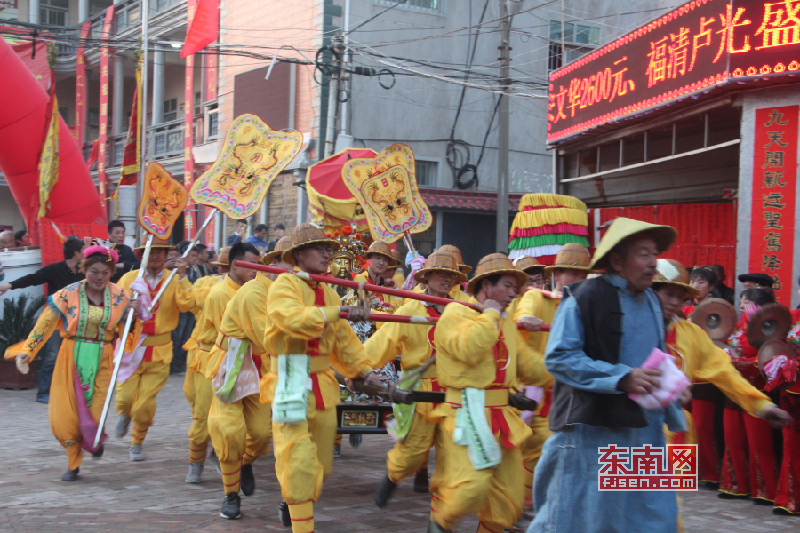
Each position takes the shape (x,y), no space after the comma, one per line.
(648,467)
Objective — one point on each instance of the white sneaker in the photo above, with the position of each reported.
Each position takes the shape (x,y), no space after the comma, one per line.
(337,451)
(122,426)
(195,474)
(136,453)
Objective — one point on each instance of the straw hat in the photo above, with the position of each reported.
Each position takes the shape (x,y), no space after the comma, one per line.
(158,243)
(281,246)
(398,259)
(466,269)
(623,228)
(441,262)
(222,261)
(573,256)
(671,272)
(526,263)
(304,235)
(381,248)
(495,264)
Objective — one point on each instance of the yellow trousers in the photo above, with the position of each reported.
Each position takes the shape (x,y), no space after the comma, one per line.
(531,451)
(136,398)
(303,458)
(458,489)
(240,433)
(188,381)
(198,431)
(63,406)
(408,456)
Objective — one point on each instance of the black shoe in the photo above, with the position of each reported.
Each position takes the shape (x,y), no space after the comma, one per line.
(434,527)
(728,496)
(247,481)
(762,501)
(711,485)
(99,453)
(283,514)
(421,481)
(230,507)
(781,511)
(70,475)
(384,491)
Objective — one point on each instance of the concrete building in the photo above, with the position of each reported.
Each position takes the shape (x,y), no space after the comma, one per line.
(405,79)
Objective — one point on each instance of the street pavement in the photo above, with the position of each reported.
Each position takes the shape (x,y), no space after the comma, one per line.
(114,495)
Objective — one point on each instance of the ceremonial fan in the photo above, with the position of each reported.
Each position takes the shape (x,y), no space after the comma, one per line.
(162,203)
(386,188)
(252,156)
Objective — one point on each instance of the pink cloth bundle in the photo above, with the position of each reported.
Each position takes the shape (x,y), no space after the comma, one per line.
(780,370)
(670,385)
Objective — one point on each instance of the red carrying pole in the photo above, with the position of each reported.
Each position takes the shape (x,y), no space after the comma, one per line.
(399,293)
(422,320)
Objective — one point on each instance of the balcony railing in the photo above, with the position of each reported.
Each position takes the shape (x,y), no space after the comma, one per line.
(127,16)
(165,140)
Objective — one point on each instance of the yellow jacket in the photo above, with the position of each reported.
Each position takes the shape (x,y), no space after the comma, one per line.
(211,320)
(389,300)
(177,298)
(395,338)
(465,340)
(245,318)
(535,303)
(295,319)
(701,360)
(201,288)
(410,341)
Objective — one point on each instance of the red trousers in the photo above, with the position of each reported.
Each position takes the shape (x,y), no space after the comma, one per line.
(788,495)
(703,415)
(750,466)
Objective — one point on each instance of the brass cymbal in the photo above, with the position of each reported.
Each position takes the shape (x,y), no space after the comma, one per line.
(771,322)
(773,348)
(716,317)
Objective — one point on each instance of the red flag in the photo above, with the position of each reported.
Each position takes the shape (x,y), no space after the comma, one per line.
(204,29)
(131,162)
(93,156)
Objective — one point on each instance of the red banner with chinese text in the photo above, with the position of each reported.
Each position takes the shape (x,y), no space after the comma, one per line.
(211,60)
(188,132)
(80,86)
(691,50)
(774,189)
(103,138)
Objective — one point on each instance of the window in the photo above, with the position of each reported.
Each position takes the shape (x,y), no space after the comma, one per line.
(198,104)
(578,40)
(427,173)
(54,12)
(64,112)
(417,5)
(213,125)
(170,110)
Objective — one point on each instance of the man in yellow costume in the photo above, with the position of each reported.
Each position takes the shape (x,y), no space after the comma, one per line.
(136,397)
(456,293)
(304,338)
(201,288)
(571,265)
(240,429)
(415,428)
(209,326)
(479,457)
(380,257)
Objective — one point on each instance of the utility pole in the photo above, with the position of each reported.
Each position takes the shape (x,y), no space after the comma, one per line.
(144,13)
(502,159)
(333,96)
